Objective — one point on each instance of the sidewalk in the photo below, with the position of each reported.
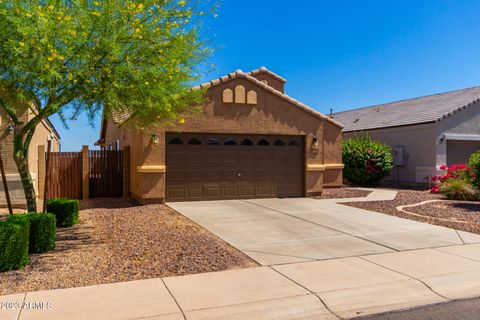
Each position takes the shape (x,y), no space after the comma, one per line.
(335,288)
(329,289)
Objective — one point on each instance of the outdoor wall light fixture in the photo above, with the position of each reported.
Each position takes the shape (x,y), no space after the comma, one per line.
(10,128)
(154,138)
(315,142)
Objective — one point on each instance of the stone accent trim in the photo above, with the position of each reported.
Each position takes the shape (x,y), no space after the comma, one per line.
(152,169)
(323,167)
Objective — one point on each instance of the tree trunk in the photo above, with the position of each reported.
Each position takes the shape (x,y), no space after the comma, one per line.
(27,183)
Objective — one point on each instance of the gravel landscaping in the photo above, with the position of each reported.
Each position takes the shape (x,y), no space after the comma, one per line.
(337,193)
(459,215)
(116,241)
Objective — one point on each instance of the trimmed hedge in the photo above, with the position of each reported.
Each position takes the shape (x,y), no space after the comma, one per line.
(42,230)
(13,245)
(65,211)
(366,161)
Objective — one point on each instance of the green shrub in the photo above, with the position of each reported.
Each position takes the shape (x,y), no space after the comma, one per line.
(458,189)
(65,211)
(42,230)
(13,245)
(474,164)
(366,161)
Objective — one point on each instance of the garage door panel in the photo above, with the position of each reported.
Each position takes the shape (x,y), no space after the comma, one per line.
(193,158)
(211,172)
(213,191)
(195,192)
(175,176)
(195,175)
(246,191)
(176,193)
(264,190)
(230,191)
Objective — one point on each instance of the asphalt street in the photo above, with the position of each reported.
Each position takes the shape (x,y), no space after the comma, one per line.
(456,310)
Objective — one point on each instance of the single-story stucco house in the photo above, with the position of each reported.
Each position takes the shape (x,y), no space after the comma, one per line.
(425,132)
(44,131)
(251,141)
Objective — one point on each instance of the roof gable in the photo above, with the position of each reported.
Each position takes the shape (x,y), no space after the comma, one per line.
(121,116)
(240,74)
(425,109)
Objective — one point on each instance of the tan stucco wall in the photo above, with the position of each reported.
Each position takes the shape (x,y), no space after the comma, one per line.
(271,115)
(419,143)
(40,137)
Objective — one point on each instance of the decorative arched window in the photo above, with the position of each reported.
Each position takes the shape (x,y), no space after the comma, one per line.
(213,142)
(247,142)
(239,94)
(294,143)
(263,142)
(227,96)
(230,142)
(175,140)
(195,141)
(251,97)
(279,143)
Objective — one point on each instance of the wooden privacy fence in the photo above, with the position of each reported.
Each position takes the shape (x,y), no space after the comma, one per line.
(106,173)
(85,174)
(65,175)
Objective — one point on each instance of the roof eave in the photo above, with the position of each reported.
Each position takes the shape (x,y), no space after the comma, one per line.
(451,113)
(388,127)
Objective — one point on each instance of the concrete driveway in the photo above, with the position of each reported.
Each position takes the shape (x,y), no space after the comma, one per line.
(280,231)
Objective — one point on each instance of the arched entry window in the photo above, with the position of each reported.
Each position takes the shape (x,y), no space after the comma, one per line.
(279,143)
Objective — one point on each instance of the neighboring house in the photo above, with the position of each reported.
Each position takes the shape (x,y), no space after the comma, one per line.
(251,141)
(45,130)
(425,132)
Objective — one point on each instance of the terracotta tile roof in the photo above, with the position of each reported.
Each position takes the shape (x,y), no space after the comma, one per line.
(249,77)
(265,70)
(424,109)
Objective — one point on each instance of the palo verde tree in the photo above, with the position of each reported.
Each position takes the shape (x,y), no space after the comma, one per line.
(72,56)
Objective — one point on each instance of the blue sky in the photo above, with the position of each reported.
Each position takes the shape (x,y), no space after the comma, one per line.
(340,54)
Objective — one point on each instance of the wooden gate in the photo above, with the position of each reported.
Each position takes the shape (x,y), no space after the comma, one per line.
(106,173)
(65,175)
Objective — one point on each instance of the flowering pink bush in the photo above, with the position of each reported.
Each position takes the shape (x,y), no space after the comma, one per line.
(454,171)
(456,182)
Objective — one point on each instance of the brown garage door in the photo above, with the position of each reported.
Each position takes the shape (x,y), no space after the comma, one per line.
(217,166)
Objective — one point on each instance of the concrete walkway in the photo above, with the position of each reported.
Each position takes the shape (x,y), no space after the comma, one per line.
(388,272)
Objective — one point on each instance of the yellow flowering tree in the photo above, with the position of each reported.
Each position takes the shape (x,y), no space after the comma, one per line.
(87,56)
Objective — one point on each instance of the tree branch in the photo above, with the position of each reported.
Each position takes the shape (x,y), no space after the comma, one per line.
(11,113)
(28,139)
